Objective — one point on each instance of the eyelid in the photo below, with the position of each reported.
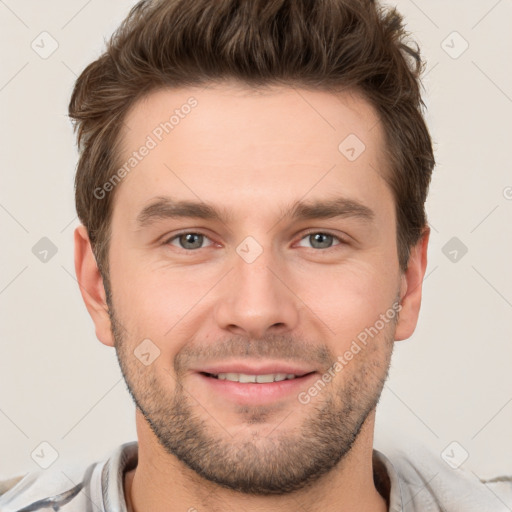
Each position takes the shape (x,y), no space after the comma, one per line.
(168,239)
(343,240)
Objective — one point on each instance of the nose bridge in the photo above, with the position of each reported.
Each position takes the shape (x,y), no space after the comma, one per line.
(254,298)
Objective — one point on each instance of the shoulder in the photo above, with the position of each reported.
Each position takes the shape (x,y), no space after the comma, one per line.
(6,485)
(60,489)
(49,489)
(423,480)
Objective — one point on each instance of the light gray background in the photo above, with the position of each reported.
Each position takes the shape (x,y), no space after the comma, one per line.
(450,382)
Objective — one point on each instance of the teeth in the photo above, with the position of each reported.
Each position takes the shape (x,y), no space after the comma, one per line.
(243,377)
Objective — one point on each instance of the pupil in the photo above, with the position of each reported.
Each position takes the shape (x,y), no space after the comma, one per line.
(322,239)
(193,239)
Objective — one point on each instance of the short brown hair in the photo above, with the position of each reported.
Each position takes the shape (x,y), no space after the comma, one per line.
(327,45)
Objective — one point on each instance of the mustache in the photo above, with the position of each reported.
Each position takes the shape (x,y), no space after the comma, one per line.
(272,346)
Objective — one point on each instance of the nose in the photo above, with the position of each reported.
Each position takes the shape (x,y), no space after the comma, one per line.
(256,298)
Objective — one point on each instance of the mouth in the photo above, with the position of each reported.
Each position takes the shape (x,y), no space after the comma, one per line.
(246,378)
(255,389)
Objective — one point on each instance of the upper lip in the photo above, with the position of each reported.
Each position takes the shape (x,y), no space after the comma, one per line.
(256,368)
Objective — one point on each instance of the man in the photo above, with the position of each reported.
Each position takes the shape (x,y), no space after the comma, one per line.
(251,187)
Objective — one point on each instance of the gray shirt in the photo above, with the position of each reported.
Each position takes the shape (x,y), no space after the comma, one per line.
(410,484)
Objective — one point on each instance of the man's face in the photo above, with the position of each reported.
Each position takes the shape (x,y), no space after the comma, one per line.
(257,290)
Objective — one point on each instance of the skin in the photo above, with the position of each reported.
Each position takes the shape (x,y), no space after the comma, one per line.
(253,153)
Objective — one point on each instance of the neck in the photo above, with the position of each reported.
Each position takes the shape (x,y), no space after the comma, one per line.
(160,482)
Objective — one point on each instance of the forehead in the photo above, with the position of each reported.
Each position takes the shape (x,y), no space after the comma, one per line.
(306,116)
(248,145)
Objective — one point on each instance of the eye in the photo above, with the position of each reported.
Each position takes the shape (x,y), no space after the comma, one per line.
(321,240)
(188,241)
(191,241)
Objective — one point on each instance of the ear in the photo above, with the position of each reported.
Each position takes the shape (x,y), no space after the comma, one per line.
(411,288)
(91,286)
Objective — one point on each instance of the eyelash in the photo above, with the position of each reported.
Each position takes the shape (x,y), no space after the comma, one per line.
(341,240)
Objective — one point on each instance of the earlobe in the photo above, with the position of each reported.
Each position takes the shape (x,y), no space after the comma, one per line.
(91,285)
(411,288)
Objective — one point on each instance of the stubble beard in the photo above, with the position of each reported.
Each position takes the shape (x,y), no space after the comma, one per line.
(276,463)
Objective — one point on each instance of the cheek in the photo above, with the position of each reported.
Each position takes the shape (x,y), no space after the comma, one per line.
(158,302)
(349,299)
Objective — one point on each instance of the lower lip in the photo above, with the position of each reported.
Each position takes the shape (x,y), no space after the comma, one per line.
(255,393)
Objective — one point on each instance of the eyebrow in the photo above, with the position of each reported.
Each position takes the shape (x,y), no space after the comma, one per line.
(164,207)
